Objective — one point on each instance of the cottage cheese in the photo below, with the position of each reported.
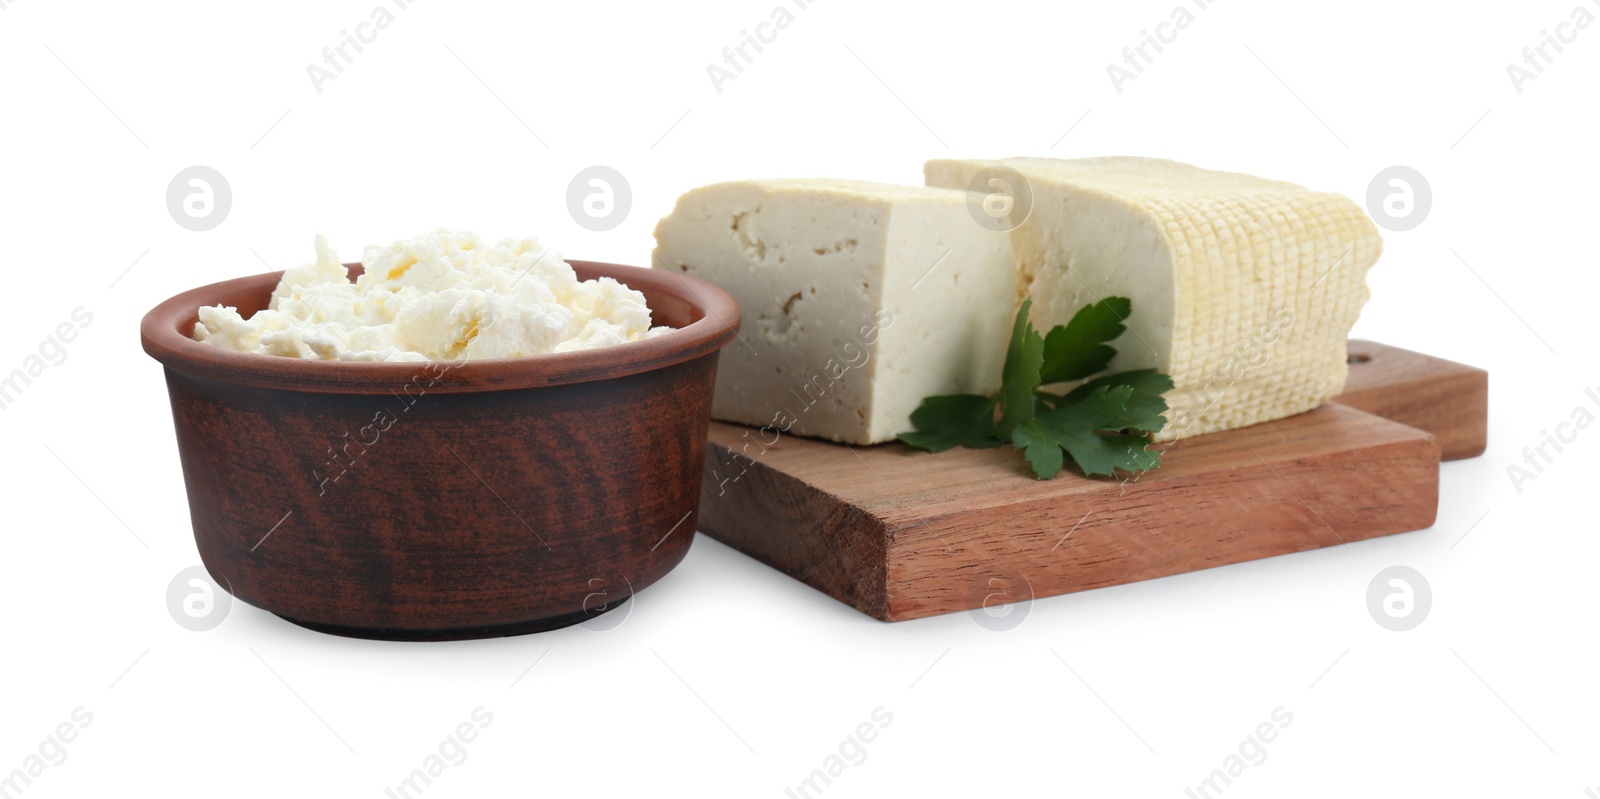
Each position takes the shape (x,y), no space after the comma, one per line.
(444,295)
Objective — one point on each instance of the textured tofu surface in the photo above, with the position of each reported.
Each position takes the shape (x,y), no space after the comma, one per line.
(859,300)
(1244,289)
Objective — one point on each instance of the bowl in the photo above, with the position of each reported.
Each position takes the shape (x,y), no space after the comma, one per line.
(445,500)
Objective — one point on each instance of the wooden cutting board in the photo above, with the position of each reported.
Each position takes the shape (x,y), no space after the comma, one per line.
(900,534)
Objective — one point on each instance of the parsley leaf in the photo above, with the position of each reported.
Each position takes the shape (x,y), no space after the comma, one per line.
(958,419)
(1103,425)
(1145,406)
(1040,446)
(1078,349)
(1090,431)
(1024,358)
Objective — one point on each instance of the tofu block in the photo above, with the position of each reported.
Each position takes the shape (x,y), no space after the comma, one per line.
(859,300)
(1244,289)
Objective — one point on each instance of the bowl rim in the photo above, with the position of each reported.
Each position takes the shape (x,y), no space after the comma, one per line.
(161,332)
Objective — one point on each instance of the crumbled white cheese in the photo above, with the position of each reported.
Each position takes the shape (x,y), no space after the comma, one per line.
(444,295)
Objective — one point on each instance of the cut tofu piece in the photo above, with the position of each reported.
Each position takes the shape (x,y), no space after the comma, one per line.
(859,300)
(1244,289)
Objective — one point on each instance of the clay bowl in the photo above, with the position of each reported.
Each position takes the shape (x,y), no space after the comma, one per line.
(445,500)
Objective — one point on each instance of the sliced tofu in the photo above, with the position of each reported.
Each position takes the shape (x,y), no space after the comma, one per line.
(1244,289)
(859,300)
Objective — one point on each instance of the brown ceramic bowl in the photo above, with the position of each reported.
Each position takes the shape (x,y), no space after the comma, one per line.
(445,500)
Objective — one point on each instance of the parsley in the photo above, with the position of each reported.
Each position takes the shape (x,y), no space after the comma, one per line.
(1103,425)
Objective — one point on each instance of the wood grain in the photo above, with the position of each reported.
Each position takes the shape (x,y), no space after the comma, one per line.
(1448,399)
(900,534)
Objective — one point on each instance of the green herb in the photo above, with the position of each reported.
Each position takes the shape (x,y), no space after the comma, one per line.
(1103,425)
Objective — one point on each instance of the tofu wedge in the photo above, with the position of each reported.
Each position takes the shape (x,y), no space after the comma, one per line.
(1244,289)
(859,300)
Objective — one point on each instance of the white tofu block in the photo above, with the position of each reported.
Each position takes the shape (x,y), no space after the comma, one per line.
(859,300)
(1244,289)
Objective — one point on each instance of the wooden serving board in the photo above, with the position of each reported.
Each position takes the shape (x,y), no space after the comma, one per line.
(900,534)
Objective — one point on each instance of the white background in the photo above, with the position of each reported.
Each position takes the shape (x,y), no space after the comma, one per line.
(727,678)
